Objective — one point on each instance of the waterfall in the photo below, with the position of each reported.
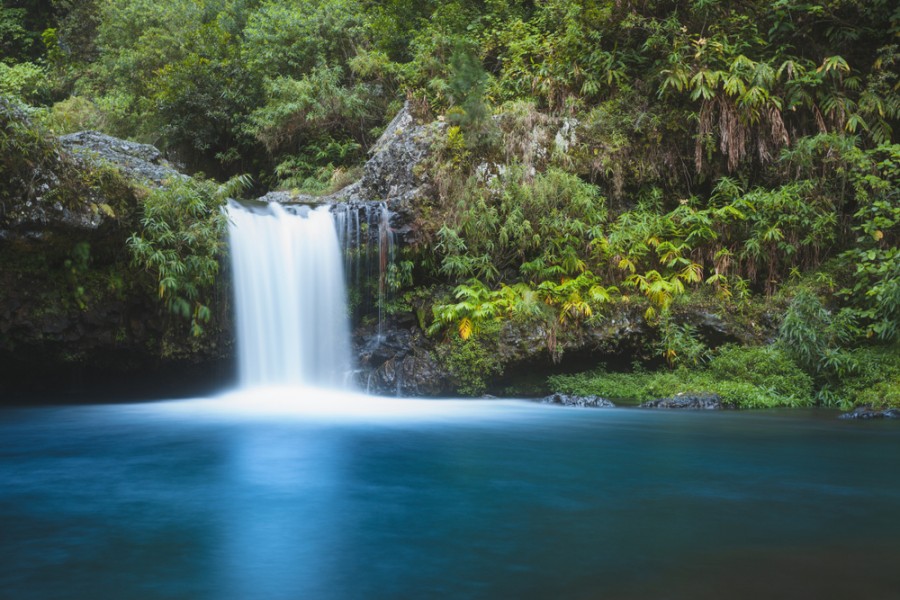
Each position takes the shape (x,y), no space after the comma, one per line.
(368,243)
(290,299)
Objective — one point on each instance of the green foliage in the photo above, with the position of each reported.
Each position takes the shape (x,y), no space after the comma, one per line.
(649,81)
(74,114)
(308,132)
(480,307)
(217,82)
(25,82)
(877,381)
(541,223)
(291,39)
(16,42)
(875,259)
(749,377)
(466,87)
(23,148)
(180,243)
(472,363)
(679,343)
(777,379)
(33,165)
(816,339)
(813,336)
(541,227)
(635,387)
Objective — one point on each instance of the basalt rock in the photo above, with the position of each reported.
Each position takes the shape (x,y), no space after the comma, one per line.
(621,332)
(139,162)
(390,175)
(689,401)
(59,202)
(397,360)
(582,401)
(866,413)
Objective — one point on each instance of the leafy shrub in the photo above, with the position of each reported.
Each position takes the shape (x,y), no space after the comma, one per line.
(877,382)
(816,338)
(472,363)
(75,114)
(874,260)
(680,344)
(637,386)
(767,368)
(181,241)
(15,39)
(25,82)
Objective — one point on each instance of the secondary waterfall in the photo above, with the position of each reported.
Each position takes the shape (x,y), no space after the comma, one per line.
(365,235)
(291,303)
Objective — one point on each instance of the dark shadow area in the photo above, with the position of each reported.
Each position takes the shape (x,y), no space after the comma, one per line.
(28,384)
(528,379)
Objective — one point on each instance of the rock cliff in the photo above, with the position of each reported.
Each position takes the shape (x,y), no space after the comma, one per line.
(75,314)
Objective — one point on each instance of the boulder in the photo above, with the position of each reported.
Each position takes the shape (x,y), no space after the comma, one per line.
(582,401)
(390,175)
(140,162)
(689,401)
(867,412)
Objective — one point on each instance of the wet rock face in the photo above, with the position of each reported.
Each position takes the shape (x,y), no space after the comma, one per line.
(141,162)
(866,413)
(398,361)
(34,218)
(581,401)
(415,374)
(689,401)
(392,173)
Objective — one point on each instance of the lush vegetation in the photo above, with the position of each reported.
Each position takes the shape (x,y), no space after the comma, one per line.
(595,155)
(750,377)
(181,241)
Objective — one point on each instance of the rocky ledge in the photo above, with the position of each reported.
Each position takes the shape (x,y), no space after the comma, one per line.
(391,175)
(140,162)
(583,401)
(690,401)
(867,412)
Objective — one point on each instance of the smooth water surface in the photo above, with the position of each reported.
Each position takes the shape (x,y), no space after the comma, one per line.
(243,498)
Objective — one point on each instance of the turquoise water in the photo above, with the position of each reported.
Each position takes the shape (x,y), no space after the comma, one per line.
(289,495)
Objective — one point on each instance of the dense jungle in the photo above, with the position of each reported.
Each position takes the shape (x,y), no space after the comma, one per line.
(623,198)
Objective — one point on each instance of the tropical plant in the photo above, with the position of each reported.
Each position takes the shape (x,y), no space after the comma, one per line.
(180,243)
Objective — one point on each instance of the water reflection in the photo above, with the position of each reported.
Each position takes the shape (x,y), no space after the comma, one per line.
(323,498)
(280,482)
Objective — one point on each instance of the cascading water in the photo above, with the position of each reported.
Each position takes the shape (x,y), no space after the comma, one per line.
(291,305)
(368,243)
